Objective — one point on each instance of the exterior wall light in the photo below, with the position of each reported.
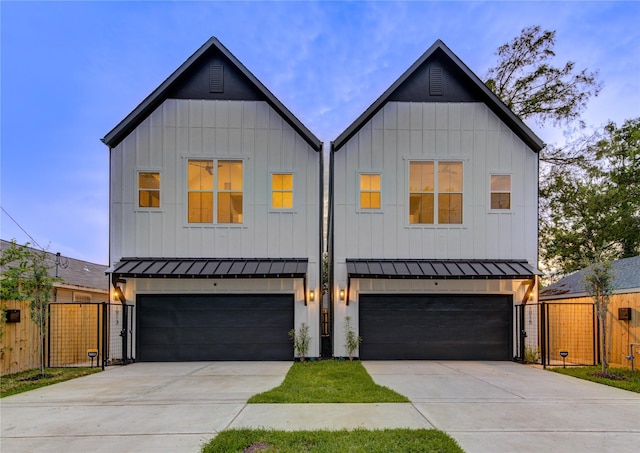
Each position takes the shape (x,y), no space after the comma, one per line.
(117,292)
(312,296)
(341,294)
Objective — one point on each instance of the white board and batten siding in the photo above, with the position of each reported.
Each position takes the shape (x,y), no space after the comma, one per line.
(403,131)
(250,131)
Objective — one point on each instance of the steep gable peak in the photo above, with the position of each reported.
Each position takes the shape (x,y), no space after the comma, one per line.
(212,72)
(440,76)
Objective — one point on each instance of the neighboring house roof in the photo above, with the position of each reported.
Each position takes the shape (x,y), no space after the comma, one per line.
(418,85)
(626,278)
(201,77)
(73,272)
(439,269)
(211,268)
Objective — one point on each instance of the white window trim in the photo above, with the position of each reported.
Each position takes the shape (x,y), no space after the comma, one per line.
(136,195)
(369,210)
(185,192)
(407,194)
(290,210)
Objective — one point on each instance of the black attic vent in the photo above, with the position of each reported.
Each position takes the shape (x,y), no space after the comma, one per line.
(436,82)
(216,78)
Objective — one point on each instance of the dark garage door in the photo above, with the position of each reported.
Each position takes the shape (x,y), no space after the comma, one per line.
(214,327)
(435,327)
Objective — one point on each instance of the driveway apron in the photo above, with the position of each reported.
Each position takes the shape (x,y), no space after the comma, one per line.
(143,407)
(508,407)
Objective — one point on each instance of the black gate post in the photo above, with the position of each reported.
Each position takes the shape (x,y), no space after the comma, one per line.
(104,333)
(543,337)
(523,332)
(124,333)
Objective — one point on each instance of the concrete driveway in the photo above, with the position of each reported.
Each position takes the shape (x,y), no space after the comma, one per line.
(496,407)
(143,407)
(507,407)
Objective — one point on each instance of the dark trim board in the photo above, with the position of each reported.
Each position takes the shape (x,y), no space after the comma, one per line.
(203,327)
(436,327)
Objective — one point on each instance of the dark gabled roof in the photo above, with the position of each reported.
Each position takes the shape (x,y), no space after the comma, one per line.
(439,269)
(626,276)
(72,271)
(211,268)
(406,89)
(178,85)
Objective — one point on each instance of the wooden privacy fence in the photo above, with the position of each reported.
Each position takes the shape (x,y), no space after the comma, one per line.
(77,335)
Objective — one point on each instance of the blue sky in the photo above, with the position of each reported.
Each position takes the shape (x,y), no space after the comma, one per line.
(70,71)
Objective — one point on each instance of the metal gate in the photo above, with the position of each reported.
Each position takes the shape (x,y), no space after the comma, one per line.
(569,334)
(89,334)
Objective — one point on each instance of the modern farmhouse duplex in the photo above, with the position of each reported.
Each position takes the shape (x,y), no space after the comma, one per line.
(215,216)
(216,198)
(433,218)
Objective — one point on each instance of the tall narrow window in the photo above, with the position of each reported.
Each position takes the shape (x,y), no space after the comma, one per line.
(282,191)
(149,190)
(200,191)
(449,192)
(421,192)
(229,191)
(500,191)
(369,191)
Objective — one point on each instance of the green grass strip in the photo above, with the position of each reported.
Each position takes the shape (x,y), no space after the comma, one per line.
(24,381)
(328,381)
(623,378)
(377,441)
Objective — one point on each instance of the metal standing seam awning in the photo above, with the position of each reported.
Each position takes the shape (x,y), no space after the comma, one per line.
(181,268)
(438,269)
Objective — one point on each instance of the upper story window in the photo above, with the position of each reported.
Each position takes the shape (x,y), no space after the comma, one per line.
(148,189)
(203,192)
(500,191)
(282,191)
(370,191)
(435,187)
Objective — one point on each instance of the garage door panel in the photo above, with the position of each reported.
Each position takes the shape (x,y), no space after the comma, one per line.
(214,327)
(435,327)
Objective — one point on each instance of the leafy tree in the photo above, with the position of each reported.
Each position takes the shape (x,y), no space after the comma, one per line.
(598,283)
(590,209)
(532,87)
(25,276)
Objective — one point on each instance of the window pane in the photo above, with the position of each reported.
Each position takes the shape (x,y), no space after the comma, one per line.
(500,201)
(200,175)
(500,183)
(287,182)
(421,177)
(149,199)
(229,175)
(450,177)
(200,207)
(365,200)
(276,200)
(375,182)
(450,208)
(365,182)
(375,200)
(421,208)
(287,200)
(276,182)
(230,207)
(149,180)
